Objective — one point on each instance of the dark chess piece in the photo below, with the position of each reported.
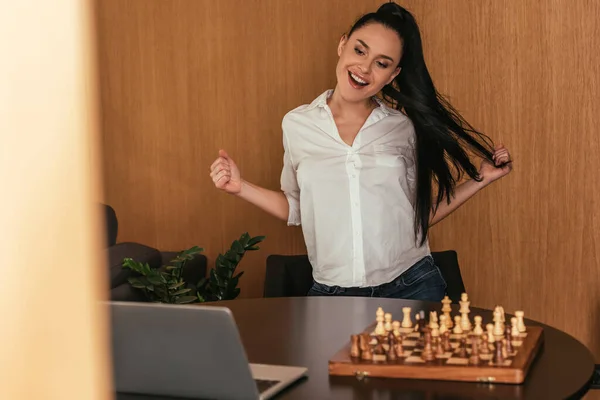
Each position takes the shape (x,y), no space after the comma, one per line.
(427,353)
(439,348)
(508,337)
(462,347)
(498,356)
(391,353)
(483,348)
(398,347)
(354,349)
(365,348)
(446,341)
(474,358)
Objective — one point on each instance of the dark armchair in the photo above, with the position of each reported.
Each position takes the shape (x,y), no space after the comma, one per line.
(288,276)
(120,290)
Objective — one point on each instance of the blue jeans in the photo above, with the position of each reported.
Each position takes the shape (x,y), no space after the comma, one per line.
(422,281)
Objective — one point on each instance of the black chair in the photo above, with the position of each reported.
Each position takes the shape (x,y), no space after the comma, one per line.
(291,276)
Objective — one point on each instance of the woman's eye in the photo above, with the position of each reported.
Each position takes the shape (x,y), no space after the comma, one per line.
(382,65)
(358,51)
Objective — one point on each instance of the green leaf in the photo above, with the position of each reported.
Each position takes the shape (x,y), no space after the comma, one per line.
(256,240)
(156,280)
(237,247)
(176,285)
(250,248)
(244,239)
(186,299)
(182,291)
(136,283)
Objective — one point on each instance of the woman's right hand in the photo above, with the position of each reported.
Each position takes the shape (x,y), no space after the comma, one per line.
(225,174)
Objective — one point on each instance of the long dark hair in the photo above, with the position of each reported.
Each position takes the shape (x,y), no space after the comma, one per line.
(442,135)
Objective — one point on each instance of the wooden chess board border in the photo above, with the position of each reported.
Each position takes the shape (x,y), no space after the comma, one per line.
(342,364)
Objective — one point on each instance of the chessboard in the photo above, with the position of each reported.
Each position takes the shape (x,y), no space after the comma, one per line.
(458,348)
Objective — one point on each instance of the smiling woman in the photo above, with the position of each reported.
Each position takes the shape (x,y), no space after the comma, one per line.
(360,161)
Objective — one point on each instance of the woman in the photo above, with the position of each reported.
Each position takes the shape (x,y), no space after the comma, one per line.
(358,173)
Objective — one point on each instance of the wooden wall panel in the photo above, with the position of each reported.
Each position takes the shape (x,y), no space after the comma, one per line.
(181,79)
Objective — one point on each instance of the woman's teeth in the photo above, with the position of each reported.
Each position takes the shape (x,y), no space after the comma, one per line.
(357,79)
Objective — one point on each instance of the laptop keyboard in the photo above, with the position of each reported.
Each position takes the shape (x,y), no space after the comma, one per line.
(264,384)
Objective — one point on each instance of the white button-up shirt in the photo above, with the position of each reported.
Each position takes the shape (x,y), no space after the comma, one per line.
(355,203)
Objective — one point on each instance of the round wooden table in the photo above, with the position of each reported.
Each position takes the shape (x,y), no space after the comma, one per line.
(307,331)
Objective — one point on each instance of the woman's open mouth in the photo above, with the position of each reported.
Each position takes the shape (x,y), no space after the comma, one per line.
(356,81)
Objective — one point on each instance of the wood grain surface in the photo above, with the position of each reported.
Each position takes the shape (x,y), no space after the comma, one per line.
(181,79)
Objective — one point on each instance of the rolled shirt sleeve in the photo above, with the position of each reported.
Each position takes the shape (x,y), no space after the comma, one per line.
(289,185)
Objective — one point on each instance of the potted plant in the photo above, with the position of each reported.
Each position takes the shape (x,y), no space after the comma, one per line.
(166,285)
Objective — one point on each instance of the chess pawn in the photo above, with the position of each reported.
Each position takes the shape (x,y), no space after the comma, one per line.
(398,347)
(515,329)
(498,330)
(457,326)
(462,347)
(520,321)
(446,341)
(446,304)
(508,337)
(406,321)
(474,357)
(417,320)
(464,303)
(396,328)
(388,322)
(478,330)
(354,349)
(439,348)
(427,353)
(498,358)
(484,345)
(391,353)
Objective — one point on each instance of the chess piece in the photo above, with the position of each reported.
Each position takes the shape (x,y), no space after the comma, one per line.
(478,330)
(391,353)
(443,326)
(417,325)
(388,322)
(474,357)
(498,329)
(515,329)
(433,320)
(354,349)
(406,321)
(398,347)
(365,348)
(396,328)
(379,353)
(447,309)
(446,341)
(380,328)
(508,337)
(439,348)
(520,321)
(484,345)
(490,336)
(427,353)
(464,312)
(457,326)
(462,347)
(498,358)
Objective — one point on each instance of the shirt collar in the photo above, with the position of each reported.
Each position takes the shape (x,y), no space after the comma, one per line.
(321,101)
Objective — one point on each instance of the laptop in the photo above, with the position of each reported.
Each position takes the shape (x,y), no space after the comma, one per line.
(188,351)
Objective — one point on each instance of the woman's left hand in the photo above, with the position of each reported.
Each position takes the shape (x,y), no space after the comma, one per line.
(489,173)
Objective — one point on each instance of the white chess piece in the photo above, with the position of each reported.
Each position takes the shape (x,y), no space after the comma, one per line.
(478,330)
(498,330)
(380,328)
(388,322)
(443,325)
(396,328)
(433,320)
(490,333)
(457,328)
(520,321)
(464,303)
(515,329)
(447,309)
(406,321)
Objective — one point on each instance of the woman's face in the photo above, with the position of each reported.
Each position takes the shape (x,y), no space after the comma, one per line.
(368,60)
